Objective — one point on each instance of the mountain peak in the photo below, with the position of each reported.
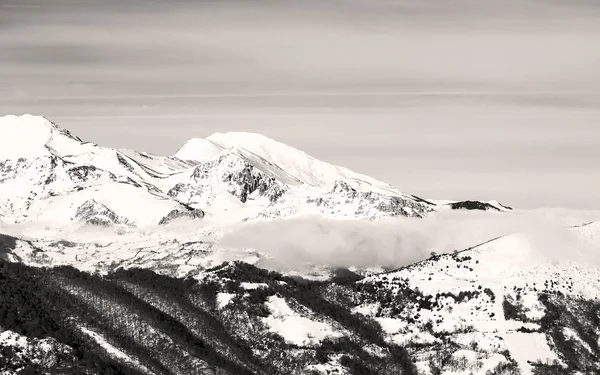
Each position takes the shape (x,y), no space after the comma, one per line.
(241,139)
(296,163)
(198,149)
(33,136)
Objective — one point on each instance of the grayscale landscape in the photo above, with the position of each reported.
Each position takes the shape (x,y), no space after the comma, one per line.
(321,187)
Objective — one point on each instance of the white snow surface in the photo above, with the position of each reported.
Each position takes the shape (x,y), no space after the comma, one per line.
(113,351)
(230,176)
(12,339)
(253,286)
(33,136)
(293,327)
(526,347)
(590,232)
(296,163)
(198,149)
(42,194)
(224,299)
(507,267)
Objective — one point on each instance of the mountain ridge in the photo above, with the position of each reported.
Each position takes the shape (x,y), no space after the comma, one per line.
(249,168)
(110,263)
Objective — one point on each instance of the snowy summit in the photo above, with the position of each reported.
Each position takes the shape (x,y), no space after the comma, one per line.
(139,238)
(232,176)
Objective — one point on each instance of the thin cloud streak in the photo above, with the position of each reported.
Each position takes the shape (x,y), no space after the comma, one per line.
(313,94)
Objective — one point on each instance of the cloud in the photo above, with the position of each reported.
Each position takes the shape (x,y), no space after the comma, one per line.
(299,243)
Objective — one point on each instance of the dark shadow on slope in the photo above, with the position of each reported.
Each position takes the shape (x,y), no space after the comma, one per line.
(153,317)
(156,289)
(7,245)
(310,294)
(28,307)
(581,353)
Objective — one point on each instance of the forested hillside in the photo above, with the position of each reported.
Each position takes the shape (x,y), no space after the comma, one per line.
(139,322)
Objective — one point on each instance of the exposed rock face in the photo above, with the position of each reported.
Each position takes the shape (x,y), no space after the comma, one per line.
(95,213)
(231,173)
(40,170)
(58,131)
(89,175)
(24,180)
(248,180)
(371,204)
(498,307)
(238,176)
(344,201)
(186,212)
(473,205)
(84,173)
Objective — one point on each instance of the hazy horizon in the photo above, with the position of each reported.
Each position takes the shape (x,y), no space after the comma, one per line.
(447,100)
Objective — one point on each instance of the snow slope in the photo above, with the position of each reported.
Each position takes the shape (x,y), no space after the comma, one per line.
(463,297)
(33,136)
(46,174)
(590,232)
(293,327)
(297,163)
(304,184)
(230,176)
(198,149)
(67,202)
(113,351)
(59,182)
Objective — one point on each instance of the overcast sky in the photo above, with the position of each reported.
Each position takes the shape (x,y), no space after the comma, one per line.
(444,99)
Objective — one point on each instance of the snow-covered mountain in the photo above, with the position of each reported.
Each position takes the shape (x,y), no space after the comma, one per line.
(110,264)
(48,174)
(271,179)
(53,180)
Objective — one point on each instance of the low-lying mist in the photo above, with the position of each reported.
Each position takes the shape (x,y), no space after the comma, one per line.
(300,244)
(291,244)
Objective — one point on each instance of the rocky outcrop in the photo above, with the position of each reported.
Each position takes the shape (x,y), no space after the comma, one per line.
(370,204)
(40,170)
(186,212)
(229,172)
(95,213)
(473,205)
(83,173)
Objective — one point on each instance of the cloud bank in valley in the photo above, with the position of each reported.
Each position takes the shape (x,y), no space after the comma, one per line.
(299,244)
(292,244)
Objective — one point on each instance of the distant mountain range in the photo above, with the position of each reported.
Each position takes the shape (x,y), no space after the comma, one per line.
(109,265)
(48,174)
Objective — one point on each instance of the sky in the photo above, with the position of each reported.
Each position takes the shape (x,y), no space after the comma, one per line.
(451,99)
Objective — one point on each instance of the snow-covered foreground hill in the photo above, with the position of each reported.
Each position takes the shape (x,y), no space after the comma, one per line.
(122,262)
(497,302)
